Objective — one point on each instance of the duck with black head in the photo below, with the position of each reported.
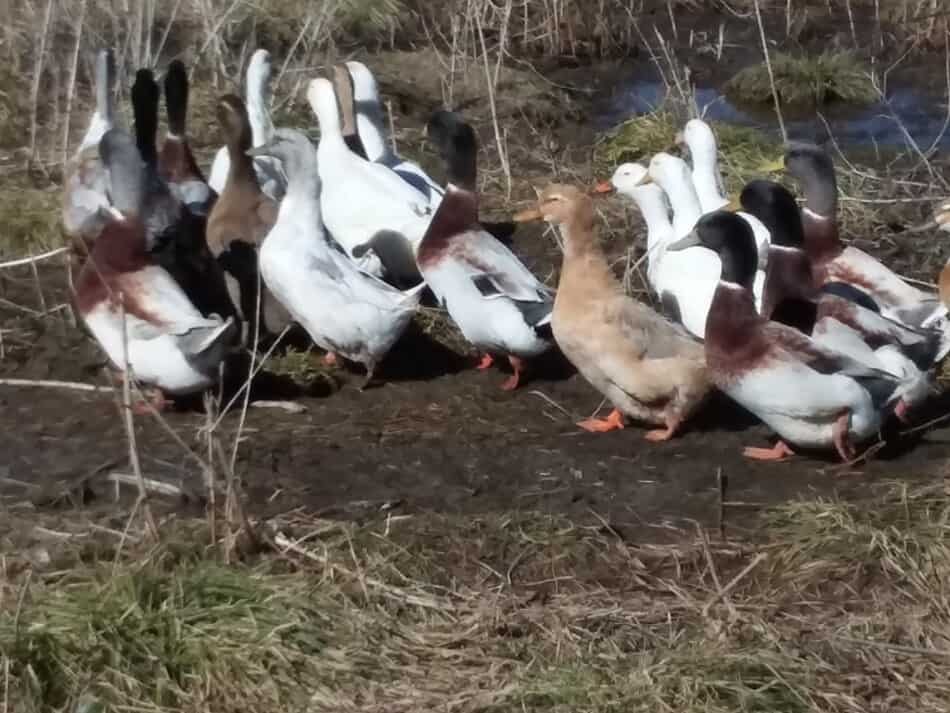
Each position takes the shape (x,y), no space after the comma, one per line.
(176,163)
(164,339)
(647,367)
(833,261)
(838,315)
(812,396)
(497,302)
(241,218)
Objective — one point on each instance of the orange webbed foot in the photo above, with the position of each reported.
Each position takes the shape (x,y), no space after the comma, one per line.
(841,439)
(154,400)
(486,362)
(780,451)
(613,422)
(330,359)
(511,383)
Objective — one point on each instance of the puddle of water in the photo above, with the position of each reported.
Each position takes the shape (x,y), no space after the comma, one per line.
(924,116)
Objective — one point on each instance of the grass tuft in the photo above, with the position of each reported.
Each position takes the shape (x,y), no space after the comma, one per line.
(805,81)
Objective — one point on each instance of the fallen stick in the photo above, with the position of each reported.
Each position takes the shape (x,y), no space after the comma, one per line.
(33,259)
(50,384)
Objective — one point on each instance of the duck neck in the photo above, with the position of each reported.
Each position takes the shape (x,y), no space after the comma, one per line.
(653,209)
(462,169)
(685,205)
(302,199)
(788,276)
(579,235)
(258,109)
(369,125)
(241,166)
(145,114)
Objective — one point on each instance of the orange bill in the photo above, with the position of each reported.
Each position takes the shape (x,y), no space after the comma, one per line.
(602,187)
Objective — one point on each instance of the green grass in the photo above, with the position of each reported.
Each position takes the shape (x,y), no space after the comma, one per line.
(830,77)
(30,217)
(494,613)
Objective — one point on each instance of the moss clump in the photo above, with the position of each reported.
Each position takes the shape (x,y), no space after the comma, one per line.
(805,81)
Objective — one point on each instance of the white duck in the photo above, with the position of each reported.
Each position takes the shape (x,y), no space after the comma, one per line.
(497,303)
(699,138)
(684,281)
(377,217)
(346,311)
(170,345)
(86,187)
(258,99)
(370,124)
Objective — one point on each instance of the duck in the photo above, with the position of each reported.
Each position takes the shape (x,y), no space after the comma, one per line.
(370,124)
(684,281)
(270,176)
(700,140)
(86,184)
(833,261)
(346,311)
(165,340)
(838,315)
(175,234)
(649,369)
(176,163)
(374,215)
(241,218)
(497,303)
(811,396)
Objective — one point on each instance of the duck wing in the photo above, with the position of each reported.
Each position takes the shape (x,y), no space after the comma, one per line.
(656,336)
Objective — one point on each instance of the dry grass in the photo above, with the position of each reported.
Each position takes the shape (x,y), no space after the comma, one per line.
(841,607)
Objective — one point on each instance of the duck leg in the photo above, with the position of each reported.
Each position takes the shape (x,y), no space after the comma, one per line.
(780,451)
(154,399)
(517,364)
(664,434)
(901,412)
(330,359)
(370,373)
(486,362)
(613,422)
(839,435)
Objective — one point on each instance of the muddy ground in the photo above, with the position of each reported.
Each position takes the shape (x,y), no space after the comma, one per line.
(437,435)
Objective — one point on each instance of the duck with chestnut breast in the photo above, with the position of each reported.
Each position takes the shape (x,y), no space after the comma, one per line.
(648,368)
(685,281)
(497,303)
(176,163)
(165,340)
(241,218)
(833,261)
(86,185)
(812,396)
(369,210)
(698,138)
(837,316)
(270,175)
(346,311)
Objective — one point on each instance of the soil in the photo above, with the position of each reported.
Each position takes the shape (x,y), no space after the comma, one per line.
(437,435)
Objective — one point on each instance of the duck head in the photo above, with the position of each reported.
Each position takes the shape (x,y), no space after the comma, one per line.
(776,207)
(813,168)
(558,204)
(698,138)
(627,178)
(232,117)
(322,99)
(457,144)
(732,239)
(293,149)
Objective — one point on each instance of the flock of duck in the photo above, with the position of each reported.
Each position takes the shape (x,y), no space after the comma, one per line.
(761,300)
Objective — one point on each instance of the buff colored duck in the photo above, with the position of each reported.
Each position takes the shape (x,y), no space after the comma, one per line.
(165,340)
(812,396)
(270,175)
(648,368)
